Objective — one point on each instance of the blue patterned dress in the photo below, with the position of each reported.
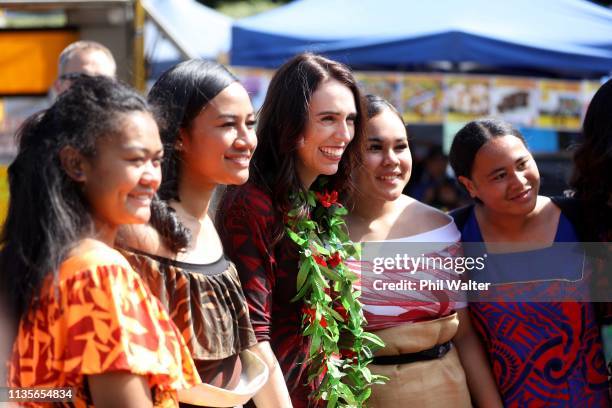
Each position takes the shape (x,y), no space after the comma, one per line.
(546,354)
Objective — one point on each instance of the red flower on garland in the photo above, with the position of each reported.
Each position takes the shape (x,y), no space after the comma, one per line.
(319,260)
(312,314)
(334,359)
(327,199)
(348,354)
(342,312)
(334,260)
(326,229)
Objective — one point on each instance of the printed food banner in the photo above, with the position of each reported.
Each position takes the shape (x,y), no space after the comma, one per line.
(515,100)
(423,98)
(560,104)
(466,98)
(386,85)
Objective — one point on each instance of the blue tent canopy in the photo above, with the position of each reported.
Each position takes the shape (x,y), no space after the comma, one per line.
(560,37)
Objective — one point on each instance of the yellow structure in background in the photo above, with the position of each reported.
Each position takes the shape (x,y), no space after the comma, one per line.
(4,192)
(140,76)
(28,61)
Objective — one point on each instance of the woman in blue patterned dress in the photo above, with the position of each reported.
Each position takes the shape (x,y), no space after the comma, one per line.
(544,354)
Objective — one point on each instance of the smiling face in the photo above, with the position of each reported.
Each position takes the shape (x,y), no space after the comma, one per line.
(120,180)
(329,129)
(504,176)
(387,161)
(218,145)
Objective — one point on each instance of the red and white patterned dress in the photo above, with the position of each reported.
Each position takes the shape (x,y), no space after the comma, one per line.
(412,320)
(388,308)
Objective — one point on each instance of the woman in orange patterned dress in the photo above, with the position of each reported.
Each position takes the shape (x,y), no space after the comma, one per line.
(86,320)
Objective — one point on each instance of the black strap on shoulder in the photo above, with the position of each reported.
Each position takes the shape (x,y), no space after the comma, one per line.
(572,209)
(461,215)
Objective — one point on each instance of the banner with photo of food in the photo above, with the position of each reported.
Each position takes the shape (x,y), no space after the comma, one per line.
(387,85)
(560,104)
(466,97)
(423,98)
(515,100)
(433,98)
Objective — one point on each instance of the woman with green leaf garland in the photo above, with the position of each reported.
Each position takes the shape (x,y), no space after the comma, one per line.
(431,354)
(288,242)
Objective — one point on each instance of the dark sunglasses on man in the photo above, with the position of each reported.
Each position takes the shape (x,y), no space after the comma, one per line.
(71,76)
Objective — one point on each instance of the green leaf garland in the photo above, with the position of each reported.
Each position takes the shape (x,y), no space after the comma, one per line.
(340,349)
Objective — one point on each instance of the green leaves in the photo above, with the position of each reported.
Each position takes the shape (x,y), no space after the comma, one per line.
(340,348)
(303,273)
(374,339)
(296,238)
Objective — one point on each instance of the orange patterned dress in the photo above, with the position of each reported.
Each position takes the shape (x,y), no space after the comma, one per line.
(98,316)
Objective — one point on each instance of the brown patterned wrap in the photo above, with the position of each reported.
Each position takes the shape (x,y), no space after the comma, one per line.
(207,304)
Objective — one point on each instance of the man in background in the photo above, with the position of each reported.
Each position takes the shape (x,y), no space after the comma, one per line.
(83,57)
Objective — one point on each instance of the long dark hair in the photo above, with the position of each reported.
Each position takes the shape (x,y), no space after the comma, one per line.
(592,176)
(47,213)
(281,123)
(178,96)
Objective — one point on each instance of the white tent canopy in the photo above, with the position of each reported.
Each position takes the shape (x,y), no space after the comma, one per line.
(180,29)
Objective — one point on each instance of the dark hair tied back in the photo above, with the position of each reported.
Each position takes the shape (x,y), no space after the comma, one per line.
(376,104)
(178,96)
(470,138)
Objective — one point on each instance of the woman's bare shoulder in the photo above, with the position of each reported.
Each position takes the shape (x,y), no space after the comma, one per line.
(422,216)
